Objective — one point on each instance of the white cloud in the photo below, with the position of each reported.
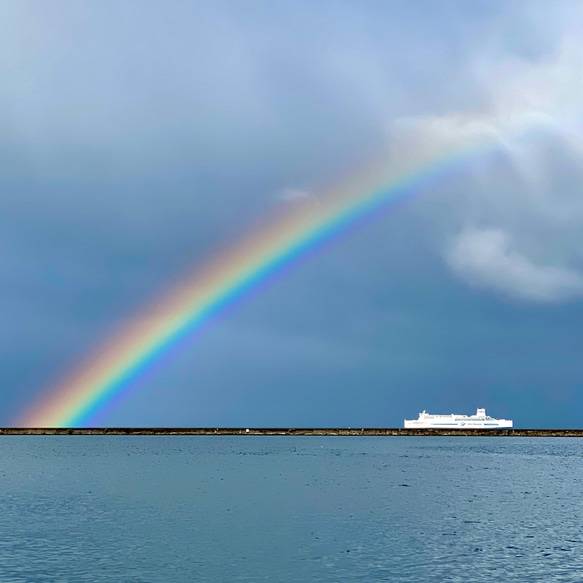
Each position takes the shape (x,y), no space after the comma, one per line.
(486,258)
(307,199)
(529,202)
(293,194)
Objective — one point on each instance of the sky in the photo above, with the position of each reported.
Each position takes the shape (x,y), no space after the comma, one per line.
(137,138)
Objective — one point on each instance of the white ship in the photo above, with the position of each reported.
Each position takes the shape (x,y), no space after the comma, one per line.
(478,421)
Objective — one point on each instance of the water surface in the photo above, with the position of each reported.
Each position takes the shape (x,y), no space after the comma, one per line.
(183,509)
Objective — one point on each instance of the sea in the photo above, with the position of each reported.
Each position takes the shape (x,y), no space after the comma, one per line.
(184,509)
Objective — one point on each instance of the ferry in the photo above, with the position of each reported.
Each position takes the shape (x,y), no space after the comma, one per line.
(478,421)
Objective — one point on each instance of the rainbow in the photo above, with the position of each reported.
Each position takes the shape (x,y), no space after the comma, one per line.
(230,276)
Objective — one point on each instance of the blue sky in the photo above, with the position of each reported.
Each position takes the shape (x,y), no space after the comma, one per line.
(137,137)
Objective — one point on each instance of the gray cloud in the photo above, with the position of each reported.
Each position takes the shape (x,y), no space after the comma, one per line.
(514,222)
(486,258)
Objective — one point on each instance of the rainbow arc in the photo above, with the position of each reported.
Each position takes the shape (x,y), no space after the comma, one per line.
(230,276)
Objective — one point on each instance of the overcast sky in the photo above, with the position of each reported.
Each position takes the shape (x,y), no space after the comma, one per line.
(136,137)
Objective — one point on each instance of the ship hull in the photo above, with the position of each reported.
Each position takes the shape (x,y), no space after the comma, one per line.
(414,424)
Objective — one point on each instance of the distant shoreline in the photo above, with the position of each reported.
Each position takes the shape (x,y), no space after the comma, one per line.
(295,431)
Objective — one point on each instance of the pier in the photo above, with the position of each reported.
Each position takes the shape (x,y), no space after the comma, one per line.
(294,431)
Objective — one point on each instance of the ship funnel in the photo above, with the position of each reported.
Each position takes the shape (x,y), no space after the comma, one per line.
(481,412)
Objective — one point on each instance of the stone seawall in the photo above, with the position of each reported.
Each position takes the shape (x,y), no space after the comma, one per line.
(291,431)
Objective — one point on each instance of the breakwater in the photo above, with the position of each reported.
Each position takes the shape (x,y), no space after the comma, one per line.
(292,431)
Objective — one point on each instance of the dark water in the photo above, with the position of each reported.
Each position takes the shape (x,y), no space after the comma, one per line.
(185,509)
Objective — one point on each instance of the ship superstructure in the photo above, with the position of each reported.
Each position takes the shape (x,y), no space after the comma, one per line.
(478,421)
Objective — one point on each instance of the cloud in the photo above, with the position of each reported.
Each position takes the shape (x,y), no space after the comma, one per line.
(293,194)
(486,258)
(307,199)
(514,221)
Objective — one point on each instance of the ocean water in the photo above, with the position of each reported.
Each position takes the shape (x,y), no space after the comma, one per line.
(185,509)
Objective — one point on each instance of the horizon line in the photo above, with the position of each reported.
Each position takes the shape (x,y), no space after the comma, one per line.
(296,431)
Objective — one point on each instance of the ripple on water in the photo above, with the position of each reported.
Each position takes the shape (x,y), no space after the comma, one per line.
(185,509)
